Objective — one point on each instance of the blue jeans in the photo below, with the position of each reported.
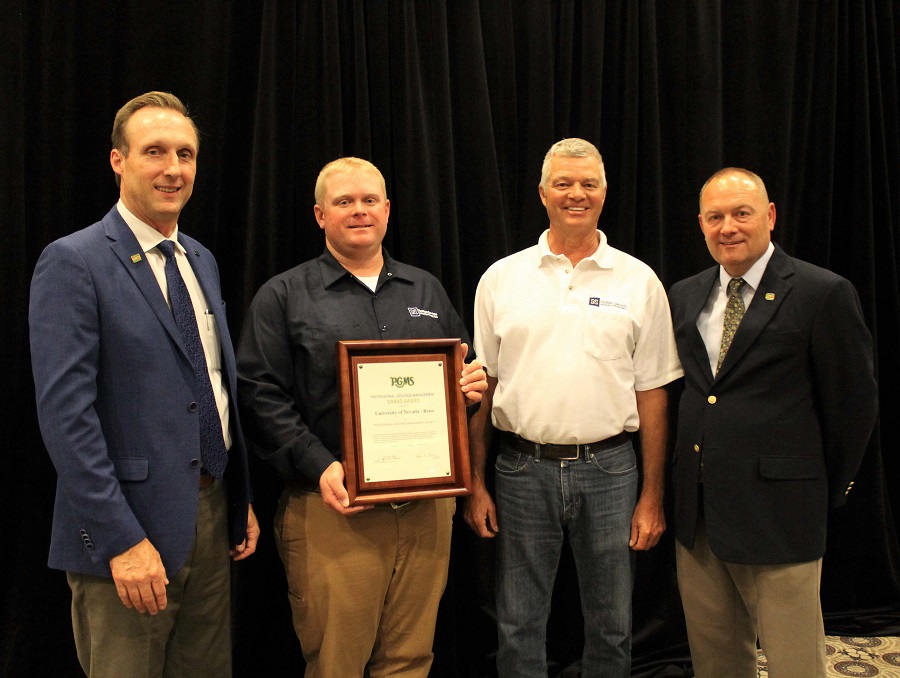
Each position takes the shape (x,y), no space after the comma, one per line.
(537,501)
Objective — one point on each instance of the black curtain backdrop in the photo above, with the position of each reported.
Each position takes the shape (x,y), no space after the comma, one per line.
(456,101)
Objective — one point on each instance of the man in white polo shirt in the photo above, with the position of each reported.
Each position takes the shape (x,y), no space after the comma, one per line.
(597,320)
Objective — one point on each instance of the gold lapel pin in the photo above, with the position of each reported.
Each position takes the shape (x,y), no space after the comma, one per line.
(135,258)
(770,296)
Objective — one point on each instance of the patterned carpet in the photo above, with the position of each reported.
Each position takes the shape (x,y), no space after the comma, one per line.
(859,657)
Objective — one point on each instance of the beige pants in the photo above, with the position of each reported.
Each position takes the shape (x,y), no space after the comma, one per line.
(191,637)
(726,606)
(364,589)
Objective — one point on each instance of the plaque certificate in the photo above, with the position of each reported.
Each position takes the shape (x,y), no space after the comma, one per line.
(403,420)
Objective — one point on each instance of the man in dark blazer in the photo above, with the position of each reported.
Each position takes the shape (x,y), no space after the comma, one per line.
(136,408)
(772,425)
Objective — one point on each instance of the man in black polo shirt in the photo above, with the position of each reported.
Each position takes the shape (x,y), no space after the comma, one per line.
(364,581)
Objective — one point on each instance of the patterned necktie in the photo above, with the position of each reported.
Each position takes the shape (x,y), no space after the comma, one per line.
(212,444)
(734,313)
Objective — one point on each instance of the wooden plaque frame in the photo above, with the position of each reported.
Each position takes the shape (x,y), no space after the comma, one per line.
(351,357)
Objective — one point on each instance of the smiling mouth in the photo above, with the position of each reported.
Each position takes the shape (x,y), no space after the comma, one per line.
(576,209)
(168,189)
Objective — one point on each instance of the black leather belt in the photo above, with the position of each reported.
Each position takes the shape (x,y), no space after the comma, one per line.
(564,452)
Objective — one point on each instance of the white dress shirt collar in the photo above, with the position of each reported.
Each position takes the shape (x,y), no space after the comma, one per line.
(752,277)
(147,236)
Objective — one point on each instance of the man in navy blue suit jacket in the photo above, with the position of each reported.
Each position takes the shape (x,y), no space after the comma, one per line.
(772,427)
(141,529)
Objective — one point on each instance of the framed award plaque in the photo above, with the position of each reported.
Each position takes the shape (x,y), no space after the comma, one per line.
(403,420)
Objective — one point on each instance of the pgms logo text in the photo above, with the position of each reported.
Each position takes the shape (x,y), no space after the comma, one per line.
(400,382)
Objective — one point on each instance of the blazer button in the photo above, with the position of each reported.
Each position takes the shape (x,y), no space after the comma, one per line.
(195,463)
(711,400)
(192,407)
(696,448)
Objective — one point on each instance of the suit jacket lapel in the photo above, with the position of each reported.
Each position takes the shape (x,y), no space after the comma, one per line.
(773,289)
(206,278)
(202,264)
(125,246)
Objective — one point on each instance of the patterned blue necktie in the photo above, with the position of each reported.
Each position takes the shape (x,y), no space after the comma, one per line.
(212,444)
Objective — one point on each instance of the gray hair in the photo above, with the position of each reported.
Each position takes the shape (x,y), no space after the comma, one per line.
(572,148)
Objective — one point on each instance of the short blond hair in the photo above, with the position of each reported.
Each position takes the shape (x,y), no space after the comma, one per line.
(348,165)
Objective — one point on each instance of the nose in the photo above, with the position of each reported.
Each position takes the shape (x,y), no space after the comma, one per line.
(173,164)
(728,225)
(359,208)
(576,192)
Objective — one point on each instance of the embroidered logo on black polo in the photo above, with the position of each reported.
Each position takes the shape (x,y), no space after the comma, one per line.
(417,312)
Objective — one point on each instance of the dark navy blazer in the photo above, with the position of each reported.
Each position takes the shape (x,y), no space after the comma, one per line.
(783,426)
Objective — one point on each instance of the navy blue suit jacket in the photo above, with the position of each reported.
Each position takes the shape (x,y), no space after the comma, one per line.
(783,426)
(114,390)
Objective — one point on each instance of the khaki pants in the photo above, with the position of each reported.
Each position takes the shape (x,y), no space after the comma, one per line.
(191,637)
(364,589)
(726,606)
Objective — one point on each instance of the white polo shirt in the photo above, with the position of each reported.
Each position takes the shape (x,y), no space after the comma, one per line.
(571,345)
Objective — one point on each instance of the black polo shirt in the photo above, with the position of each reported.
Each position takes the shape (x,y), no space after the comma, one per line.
(287,380)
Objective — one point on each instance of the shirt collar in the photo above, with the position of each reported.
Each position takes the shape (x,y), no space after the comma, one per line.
(147,236)
(752,277)
(332,271)
(602,256)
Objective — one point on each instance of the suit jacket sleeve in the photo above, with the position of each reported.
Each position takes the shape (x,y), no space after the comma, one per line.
(843,376)
(64,324)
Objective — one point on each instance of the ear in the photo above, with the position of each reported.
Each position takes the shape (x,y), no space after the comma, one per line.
(542,194)
(771,216)
(320,216)
(117,160)
(387,209)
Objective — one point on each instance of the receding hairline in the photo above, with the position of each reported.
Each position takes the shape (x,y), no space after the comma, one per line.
(156,99)
(752,176)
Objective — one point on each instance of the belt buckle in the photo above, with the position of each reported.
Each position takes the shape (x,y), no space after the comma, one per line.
(577,454)
(398,505)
